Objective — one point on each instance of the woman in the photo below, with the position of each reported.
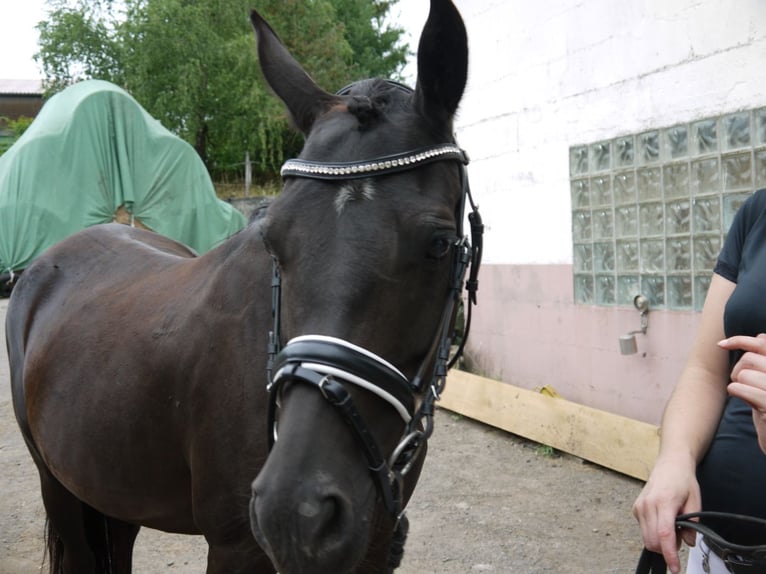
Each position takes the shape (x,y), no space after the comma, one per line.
(715,419)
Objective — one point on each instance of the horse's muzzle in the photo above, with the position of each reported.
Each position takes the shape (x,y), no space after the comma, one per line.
(313,501)
(311,529)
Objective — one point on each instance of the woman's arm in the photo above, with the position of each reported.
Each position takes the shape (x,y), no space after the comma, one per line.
(688,425)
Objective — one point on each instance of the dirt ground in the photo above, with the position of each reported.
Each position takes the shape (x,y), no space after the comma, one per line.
(487,501)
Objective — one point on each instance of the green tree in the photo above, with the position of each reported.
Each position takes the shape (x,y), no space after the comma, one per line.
(374,44)
(79,41)
(192,63)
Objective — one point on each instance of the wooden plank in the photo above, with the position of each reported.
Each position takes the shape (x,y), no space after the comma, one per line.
(613,441)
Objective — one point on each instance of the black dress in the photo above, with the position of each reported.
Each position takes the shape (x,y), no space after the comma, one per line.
(732,475)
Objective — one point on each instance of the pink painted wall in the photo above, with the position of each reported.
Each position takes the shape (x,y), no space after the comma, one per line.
(527,331)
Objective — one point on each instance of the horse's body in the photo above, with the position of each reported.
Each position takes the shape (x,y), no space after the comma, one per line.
(138,382)
(139,370)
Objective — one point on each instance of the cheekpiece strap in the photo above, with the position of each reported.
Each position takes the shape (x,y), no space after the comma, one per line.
(379,166)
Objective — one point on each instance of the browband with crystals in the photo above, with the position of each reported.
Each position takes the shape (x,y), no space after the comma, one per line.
(378,166)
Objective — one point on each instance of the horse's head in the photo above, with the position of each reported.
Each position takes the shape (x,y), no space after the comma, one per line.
(369,259)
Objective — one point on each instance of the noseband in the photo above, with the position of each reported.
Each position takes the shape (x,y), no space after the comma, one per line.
(329,363)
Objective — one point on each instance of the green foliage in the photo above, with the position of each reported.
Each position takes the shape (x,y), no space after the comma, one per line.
(5,143)
(19,125)
(79,41)
(12,130)
(546,451)
(375,47)
(193,65)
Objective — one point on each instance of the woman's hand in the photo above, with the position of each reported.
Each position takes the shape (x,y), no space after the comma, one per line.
(749,378)
(672,489)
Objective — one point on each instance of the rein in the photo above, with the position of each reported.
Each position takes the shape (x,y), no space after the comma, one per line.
(327,362)
(737,557)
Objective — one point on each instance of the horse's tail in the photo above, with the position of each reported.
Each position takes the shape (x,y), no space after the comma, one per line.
(55,549)
(99,536)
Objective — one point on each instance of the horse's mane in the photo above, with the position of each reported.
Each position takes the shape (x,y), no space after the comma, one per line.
(260,211)
(369,100)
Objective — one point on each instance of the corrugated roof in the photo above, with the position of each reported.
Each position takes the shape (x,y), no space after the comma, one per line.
(21,87)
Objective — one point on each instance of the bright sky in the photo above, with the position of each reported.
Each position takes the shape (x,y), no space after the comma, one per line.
(411,15)
(18,39)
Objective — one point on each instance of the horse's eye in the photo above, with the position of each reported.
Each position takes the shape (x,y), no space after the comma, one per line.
(439,247)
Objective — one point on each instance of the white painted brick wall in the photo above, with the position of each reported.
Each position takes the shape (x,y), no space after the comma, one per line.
(549,74)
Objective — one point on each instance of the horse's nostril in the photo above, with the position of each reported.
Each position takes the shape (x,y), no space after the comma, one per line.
(311,509)
(323,520)
(308,522)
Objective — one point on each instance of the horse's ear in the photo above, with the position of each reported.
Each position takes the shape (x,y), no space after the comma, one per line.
(304,99)
(442,62)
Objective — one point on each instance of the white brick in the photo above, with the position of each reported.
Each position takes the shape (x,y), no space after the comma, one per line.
(548,75)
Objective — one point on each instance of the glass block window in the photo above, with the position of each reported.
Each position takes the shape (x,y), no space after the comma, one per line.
(650,210)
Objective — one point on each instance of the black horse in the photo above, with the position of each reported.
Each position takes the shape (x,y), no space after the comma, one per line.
(138,368)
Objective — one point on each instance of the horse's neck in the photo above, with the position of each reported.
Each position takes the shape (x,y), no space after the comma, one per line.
(240,268)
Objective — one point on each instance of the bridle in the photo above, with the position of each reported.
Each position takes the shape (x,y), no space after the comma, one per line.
(329,363)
